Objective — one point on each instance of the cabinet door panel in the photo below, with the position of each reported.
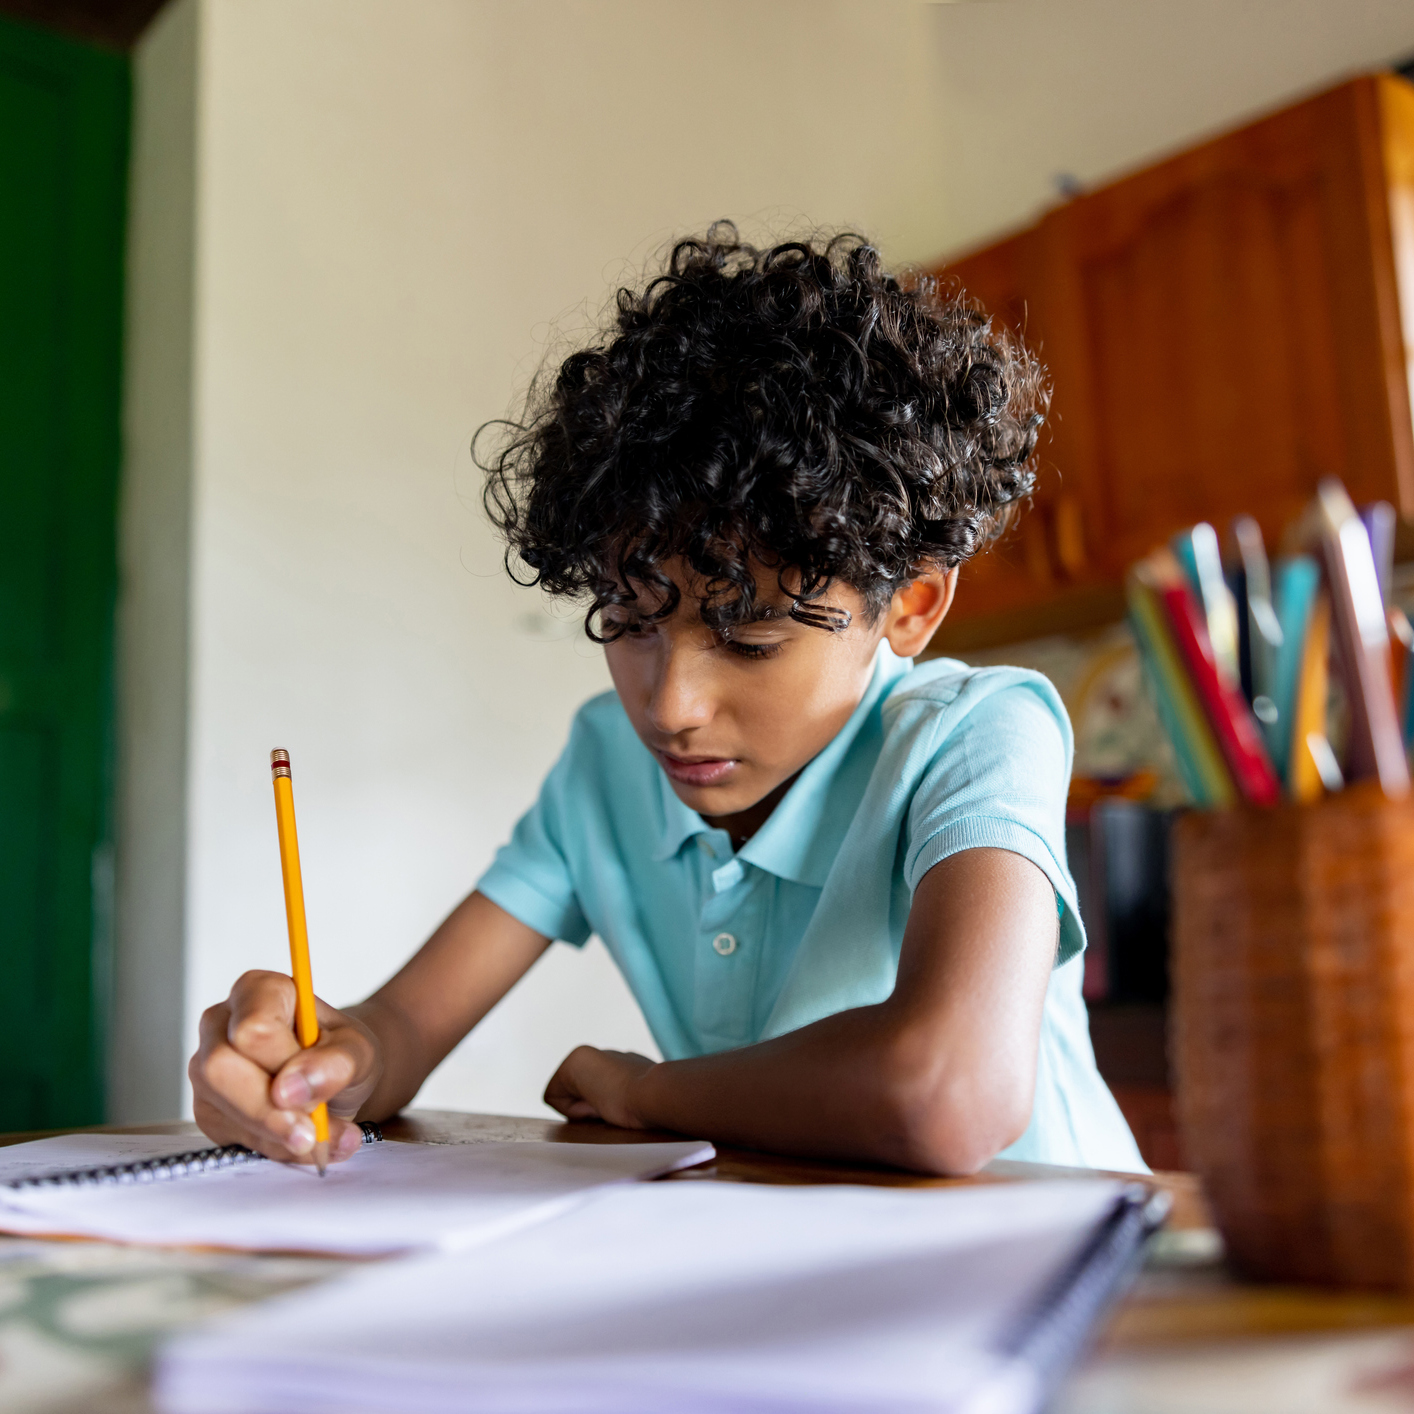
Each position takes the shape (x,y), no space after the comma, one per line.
(1396,114)
(1047,553)
(1215,373)
(1225,332)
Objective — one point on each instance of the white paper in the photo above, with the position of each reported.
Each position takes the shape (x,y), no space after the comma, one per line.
(679,1297)
(388,1197)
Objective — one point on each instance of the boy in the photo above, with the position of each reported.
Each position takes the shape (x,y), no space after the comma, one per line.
(836,883)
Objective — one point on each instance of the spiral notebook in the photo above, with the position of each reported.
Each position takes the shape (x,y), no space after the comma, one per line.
(700,1297)
(101,1160)
(389,1197)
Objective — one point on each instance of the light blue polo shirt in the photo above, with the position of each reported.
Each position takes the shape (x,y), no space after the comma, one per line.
(725,948)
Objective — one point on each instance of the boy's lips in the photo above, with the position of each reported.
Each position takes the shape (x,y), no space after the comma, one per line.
(697,770)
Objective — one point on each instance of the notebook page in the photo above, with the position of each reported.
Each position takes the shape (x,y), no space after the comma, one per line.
(682,1296)
(387,1197)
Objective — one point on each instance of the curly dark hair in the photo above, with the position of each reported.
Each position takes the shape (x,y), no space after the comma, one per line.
(797,407)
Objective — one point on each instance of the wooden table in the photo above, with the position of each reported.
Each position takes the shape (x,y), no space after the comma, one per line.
(78,1319)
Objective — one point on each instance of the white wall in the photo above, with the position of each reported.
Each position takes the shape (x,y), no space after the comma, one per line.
(396,201)
(1089,88)
(147,1037)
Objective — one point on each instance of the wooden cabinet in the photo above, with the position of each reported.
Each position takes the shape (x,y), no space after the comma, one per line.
(1222,329)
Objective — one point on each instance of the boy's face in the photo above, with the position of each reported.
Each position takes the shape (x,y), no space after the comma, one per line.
(732,722)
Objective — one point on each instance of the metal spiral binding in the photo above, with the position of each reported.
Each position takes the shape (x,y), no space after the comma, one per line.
(161,1170)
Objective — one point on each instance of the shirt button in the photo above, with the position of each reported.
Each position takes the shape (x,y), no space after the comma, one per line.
(725,944)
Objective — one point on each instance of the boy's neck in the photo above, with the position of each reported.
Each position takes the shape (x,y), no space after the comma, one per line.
(741,825)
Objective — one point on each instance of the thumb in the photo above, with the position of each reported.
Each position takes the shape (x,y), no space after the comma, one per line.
(342,1057)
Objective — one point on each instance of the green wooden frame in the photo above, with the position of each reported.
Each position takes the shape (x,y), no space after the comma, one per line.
(60,451)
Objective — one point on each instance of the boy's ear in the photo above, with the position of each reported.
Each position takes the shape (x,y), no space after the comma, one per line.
(917,610)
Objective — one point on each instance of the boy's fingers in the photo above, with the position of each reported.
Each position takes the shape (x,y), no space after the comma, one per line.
(345,1139)
(249,1037)
(223,1076)
(261,990)
(327,1016)
(233,1100)
(220,1124)
(341,1058)
(233,1105)
(261,1019)
(222,1127)
(211,1030)
(285,1136)
(565,1093)
(254,1084)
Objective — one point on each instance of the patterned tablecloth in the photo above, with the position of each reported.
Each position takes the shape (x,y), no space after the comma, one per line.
(79,1320)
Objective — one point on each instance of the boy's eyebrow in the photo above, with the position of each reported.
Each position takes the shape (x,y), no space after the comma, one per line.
(761,614)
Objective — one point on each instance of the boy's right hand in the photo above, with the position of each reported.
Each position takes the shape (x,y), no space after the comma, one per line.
(253,1084)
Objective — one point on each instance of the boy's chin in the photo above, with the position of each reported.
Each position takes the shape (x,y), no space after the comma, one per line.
(712,800)
(721,801)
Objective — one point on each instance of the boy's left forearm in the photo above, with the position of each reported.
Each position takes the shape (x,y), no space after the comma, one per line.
(858,1086)
(939,1078)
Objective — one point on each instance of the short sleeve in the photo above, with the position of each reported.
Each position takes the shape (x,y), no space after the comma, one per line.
(530,877)
(999,781)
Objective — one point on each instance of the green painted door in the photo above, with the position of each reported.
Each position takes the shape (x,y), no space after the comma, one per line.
(63,165)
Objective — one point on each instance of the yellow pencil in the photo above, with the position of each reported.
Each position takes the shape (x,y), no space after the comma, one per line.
(1308,720)
(306,1023)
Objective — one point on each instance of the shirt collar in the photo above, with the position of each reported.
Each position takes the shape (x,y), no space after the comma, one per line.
(679,823)
(801,837)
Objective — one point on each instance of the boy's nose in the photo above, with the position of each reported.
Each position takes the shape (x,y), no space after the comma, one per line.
(681,698)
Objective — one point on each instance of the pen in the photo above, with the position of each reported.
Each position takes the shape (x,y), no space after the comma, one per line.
(306,1023)
(1258,621)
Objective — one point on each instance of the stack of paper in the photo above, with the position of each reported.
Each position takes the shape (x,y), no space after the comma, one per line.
(388,1197)
(680,1297)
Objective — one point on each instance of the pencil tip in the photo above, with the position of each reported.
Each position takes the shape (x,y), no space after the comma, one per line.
(321,1157)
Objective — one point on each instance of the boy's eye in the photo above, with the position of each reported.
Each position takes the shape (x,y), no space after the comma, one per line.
(752,650)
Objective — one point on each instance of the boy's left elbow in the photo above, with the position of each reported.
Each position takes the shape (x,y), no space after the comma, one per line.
(955,1125)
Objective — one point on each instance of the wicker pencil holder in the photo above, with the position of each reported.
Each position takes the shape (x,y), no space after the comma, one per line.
(1293,1033)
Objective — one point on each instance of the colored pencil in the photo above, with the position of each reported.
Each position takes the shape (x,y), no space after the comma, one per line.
(1296,584)
(1200,559)
(1227,712)
(1401,644)
(1305,776)
(306,1022)
(1257,614)
(1200,762)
